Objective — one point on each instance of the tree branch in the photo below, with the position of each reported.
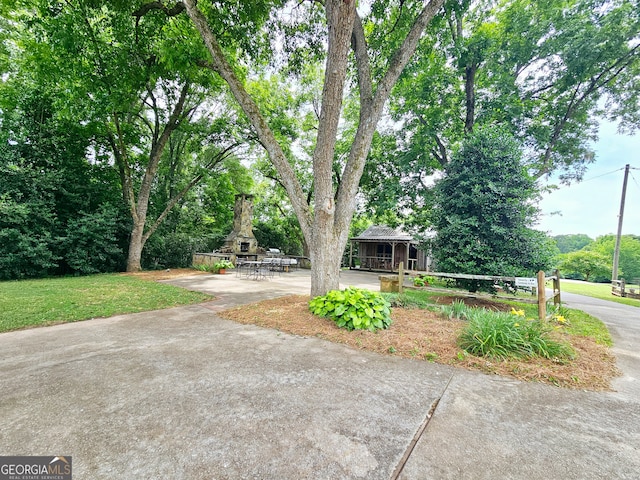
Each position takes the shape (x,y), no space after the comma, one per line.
(122,169)
(539,90)
(120,153)
(177,9)
(455,25)
(280,209)
(359,46)
(156,117)
(370,114)
(277,180)
(443,157)
(218,158)
(595,84)
(617,68)
(267,138)
(156,152)
(172,123)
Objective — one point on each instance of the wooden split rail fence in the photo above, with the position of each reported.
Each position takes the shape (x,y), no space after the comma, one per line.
(620,289)
(539,283)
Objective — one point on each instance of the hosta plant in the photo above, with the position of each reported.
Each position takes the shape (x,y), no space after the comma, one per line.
(223,265)
(353,309)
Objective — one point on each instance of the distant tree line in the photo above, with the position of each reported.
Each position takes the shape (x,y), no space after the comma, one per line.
(583,258)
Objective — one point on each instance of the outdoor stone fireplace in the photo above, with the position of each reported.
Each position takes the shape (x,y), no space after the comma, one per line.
(241,240)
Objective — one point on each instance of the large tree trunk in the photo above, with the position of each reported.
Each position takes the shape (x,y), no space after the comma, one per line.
(470,97)
(140,208)
(136,244)
(326,250)
(326,256)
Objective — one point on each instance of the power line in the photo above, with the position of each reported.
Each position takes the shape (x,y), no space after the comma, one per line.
(604,174)
(634,178)
(596,177)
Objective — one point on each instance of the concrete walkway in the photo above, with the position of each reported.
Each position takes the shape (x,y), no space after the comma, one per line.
(183,394)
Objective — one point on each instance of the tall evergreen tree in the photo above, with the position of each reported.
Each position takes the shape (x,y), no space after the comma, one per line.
(484,208)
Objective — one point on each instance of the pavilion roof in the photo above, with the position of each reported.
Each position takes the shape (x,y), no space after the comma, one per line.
(382,233)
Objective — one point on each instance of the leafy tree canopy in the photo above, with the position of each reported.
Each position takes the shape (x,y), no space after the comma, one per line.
(546,71)
(586,265)
(629,261)
(58,211)
(114,113)
(122,71)
(572,242)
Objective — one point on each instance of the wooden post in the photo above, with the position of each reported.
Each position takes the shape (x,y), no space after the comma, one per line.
(616,251)
(393,256)
(406,255)
(542,301)
(557,302)
(400,277)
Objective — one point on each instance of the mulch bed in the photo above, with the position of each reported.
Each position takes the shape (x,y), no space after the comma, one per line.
(425,335)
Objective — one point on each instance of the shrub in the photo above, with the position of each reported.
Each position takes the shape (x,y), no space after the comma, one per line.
(91,243)
(24,255)
(353,309)
(423,281)
(501,335)
(175,250)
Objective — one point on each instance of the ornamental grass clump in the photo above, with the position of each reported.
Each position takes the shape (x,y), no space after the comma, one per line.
(501,335)
(353,309)
(458,310)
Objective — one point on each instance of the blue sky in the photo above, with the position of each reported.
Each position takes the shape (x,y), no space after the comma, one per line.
(592,206)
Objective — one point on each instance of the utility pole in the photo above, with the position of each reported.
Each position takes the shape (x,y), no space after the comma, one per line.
(616,253)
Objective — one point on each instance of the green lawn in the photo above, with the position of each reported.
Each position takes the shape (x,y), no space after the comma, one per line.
(41,302)
(596,290)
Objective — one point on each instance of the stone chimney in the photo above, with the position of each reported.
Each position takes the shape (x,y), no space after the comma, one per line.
(241,240)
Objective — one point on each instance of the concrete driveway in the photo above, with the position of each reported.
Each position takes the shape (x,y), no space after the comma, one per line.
(623,322)
(183,394)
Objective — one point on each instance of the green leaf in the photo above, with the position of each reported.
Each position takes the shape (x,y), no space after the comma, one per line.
(340,309)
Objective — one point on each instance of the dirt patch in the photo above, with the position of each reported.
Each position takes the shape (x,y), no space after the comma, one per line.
(167,274)
(474,302)
(428,336)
